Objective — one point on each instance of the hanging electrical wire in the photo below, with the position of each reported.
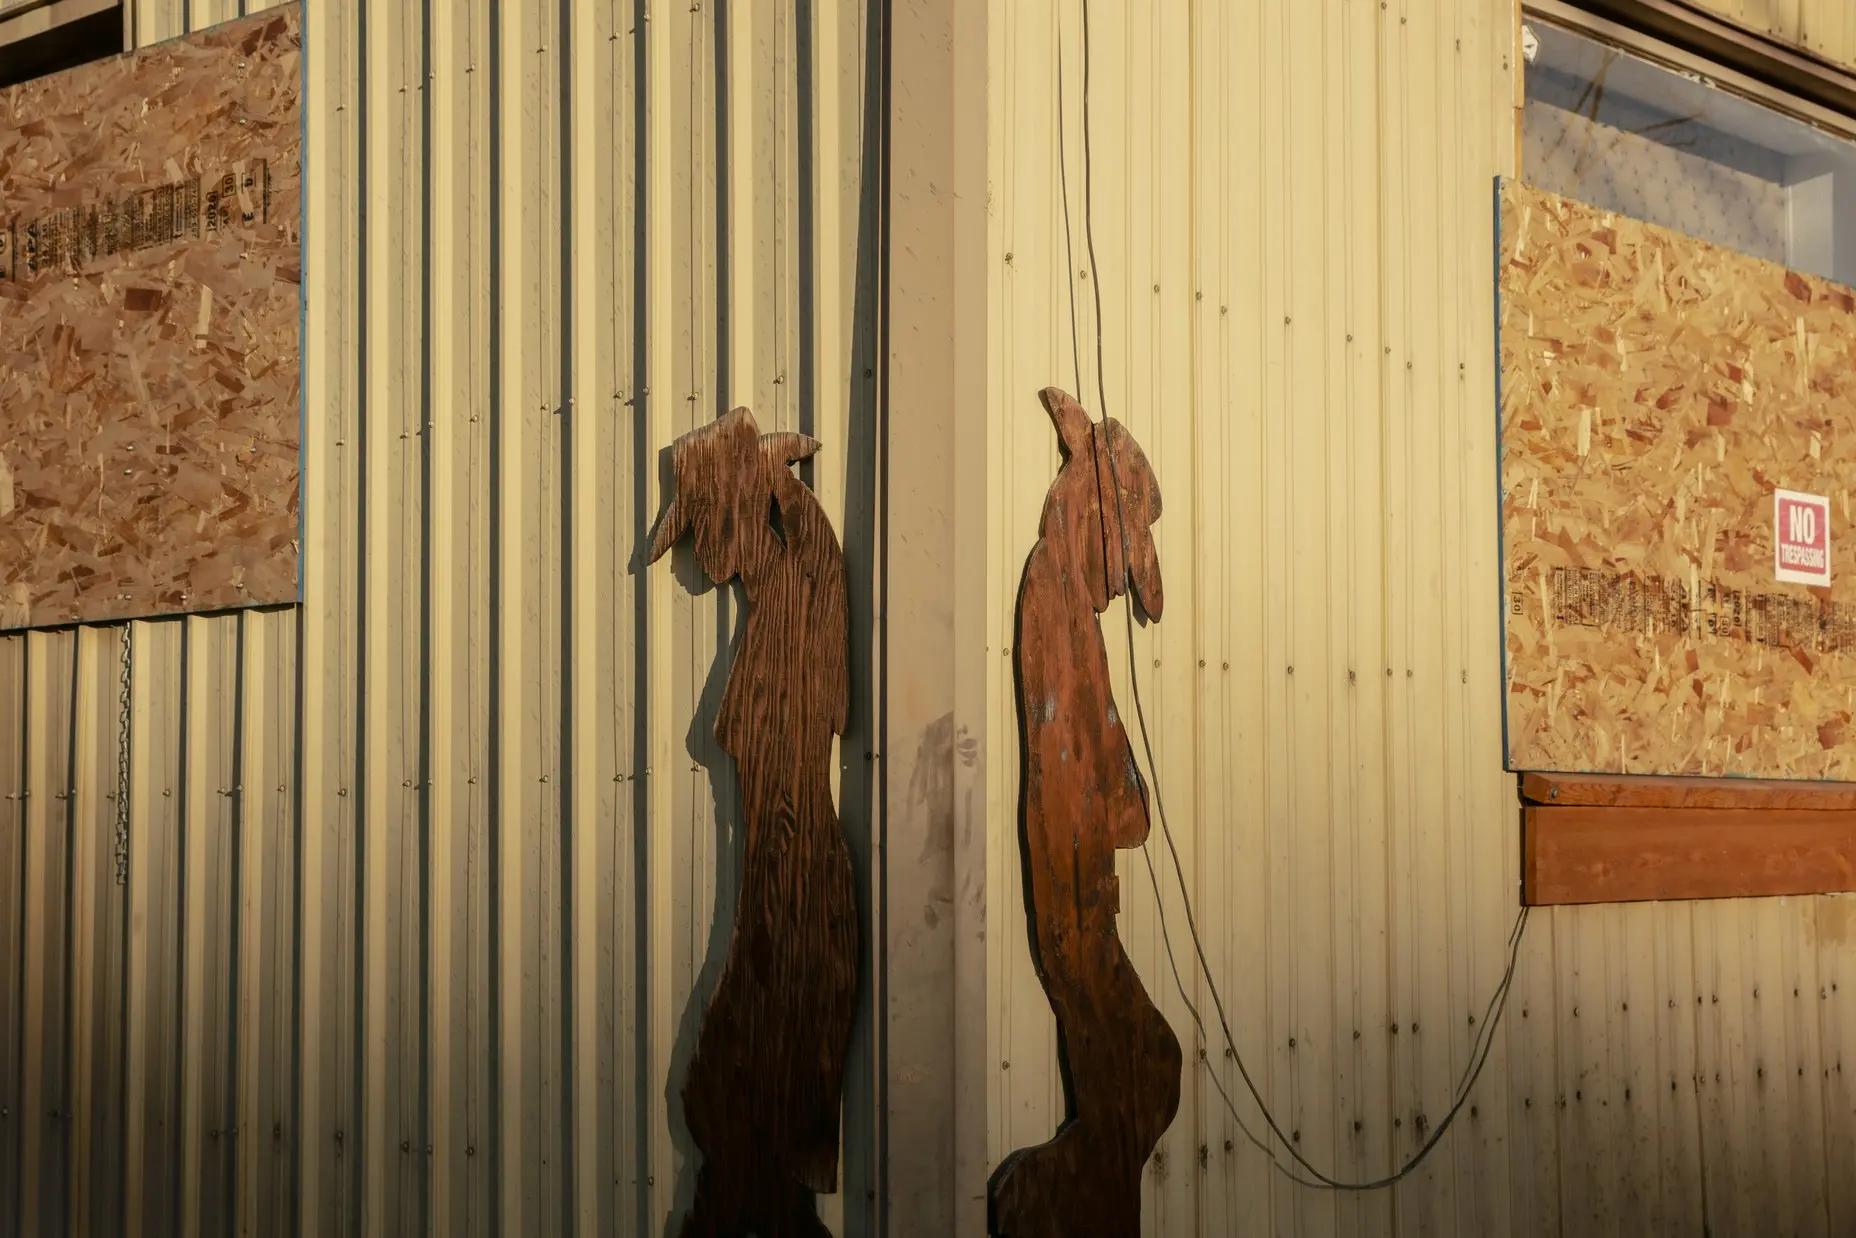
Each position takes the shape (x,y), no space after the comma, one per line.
(1485,1035)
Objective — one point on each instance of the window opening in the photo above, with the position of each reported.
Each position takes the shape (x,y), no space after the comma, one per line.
(1620,131)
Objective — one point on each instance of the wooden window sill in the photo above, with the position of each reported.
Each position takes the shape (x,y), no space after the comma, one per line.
(1589,838)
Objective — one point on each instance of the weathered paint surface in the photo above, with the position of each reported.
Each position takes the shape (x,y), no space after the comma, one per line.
(422,907)
(1293,244)
(1826,28)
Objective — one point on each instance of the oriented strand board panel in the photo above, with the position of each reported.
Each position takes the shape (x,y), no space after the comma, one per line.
(1657,394)
(150,268)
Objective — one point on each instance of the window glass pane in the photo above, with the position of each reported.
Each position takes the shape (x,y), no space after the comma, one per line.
(1621,132)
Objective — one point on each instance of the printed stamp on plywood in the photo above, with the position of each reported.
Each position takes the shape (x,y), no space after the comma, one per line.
(150,266)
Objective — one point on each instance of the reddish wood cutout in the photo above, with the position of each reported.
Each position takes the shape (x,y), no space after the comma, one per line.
(762,1095)
(1082,799)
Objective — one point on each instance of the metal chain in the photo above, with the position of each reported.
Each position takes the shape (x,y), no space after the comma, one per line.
(122,763)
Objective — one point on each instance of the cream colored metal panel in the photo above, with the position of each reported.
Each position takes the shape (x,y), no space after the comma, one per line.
(97,906)
(460,1062)
(1836,1006)
(153,1147)
(327,1134)
(390,792)
(479,755)
(1821,26)
(1355,834)
(13,890)
(208,846)
(46,803)
(266,937)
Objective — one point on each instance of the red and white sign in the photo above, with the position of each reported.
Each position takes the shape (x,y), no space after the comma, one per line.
(1801,537)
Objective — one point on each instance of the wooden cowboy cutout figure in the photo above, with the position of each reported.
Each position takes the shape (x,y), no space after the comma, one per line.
(1082,799)
(762,1096)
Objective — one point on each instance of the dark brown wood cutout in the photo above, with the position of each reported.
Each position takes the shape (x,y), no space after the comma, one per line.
(1083,798)
(762,1095)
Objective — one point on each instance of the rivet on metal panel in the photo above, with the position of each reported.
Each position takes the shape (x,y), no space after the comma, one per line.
(341,791)
(1005,1065)
(1286,320)
(1156,287)
(544,778)
(1224,309)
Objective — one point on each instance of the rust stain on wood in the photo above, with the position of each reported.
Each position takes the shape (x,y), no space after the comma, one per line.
(1082,799)
(762,1097)
(150,258)
(1591,854)
(1656,391)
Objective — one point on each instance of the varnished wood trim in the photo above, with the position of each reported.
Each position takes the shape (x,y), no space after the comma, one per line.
(1592,854)
(1630,791)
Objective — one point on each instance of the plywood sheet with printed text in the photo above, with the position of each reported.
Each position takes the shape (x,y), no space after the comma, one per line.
(1658,395)
(150,266)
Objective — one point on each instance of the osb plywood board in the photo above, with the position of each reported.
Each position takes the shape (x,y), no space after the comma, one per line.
(150,262)
(1657,392)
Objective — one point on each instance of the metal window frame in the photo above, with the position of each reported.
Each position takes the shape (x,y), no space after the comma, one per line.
(1775,75)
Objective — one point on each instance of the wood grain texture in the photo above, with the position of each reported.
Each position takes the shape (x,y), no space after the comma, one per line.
(762,1097)
(1632,791)
(1656,391)
(1592,854)
(1082,799)
(150,265)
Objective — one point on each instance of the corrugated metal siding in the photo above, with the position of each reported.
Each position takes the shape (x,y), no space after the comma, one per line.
(418,922)
(1293,223)
(1824,27)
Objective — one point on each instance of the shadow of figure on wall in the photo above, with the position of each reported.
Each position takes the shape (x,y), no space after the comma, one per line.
(1081,799)
(763,1093)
